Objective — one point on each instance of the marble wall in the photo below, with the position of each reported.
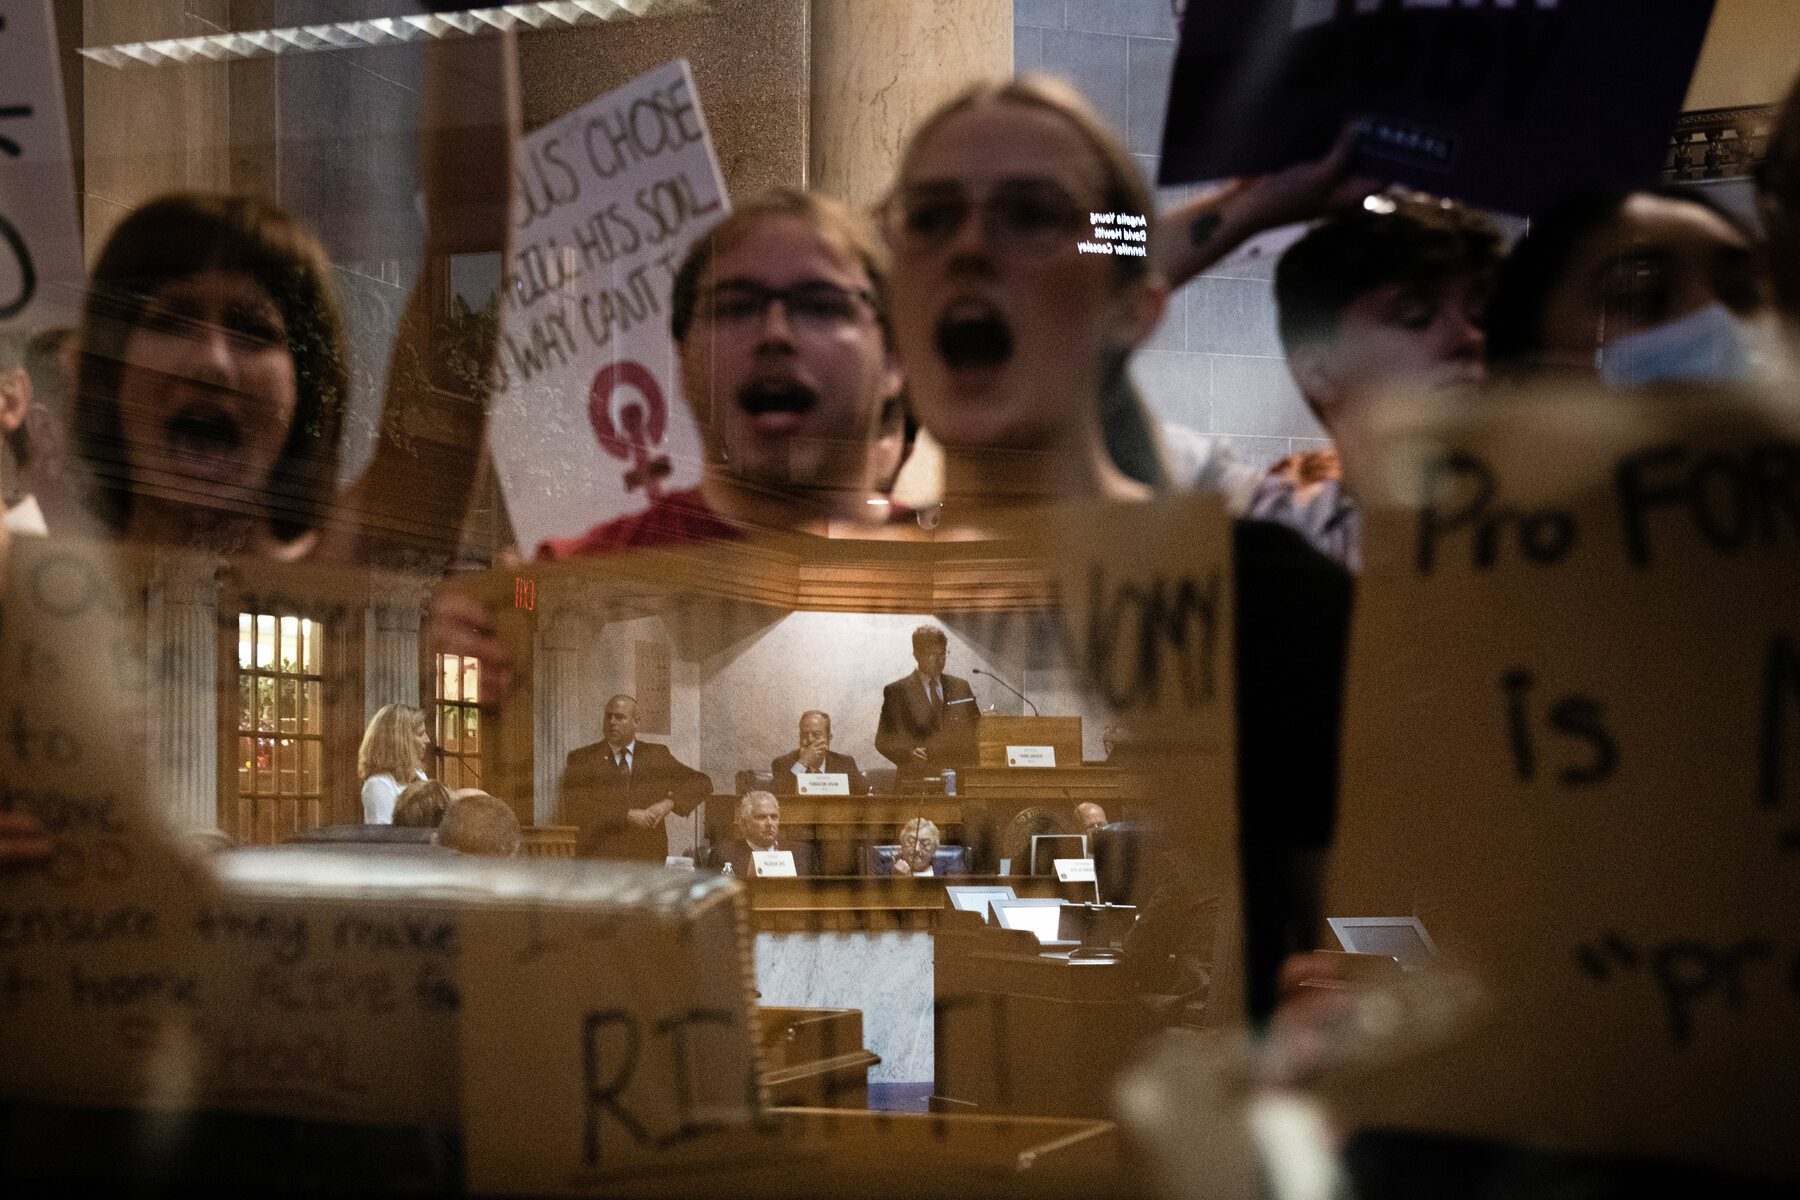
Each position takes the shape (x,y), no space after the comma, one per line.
(878,68)
(886,975)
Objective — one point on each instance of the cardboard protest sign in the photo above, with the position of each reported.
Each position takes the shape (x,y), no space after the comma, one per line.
(40,238)
(1572,748)
(313,982)
(588,423)
(606,1026)
(1146,607)
(1499,103)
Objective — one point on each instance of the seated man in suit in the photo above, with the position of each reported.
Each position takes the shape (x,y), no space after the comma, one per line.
(619,791)
(919,841)
(927,717)
(1092,817)
(758,828)
(815,757)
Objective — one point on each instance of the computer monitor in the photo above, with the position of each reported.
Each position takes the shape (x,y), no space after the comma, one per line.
(1041,917)
(1046,848)
(965,898)
(1400,938)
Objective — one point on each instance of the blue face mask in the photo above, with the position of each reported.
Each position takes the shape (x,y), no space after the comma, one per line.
(1710,345)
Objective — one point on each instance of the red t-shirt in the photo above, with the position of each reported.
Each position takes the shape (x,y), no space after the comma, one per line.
(677,519)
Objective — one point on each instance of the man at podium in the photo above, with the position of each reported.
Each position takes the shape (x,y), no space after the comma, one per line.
(927,717)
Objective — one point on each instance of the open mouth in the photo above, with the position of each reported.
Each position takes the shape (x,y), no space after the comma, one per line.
(777,397)
(204,430)
(973,334)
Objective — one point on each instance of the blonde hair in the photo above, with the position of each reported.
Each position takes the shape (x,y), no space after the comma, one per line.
(1124,184)
(389,744)
(477,823)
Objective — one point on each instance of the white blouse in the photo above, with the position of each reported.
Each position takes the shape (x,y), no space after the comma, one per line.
(378,795)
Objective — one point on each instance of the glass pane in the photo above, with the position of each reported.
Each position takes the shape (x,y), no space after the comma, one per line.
(246,639)
(452,739)
(265,766)
(290,644)
(265,641)
(265,703)
(472,680)
(309,659)
(290,706)
(471,730)
(246,765)
(311,707)
(246,706)
(448,686)
(289,758)
(309,768)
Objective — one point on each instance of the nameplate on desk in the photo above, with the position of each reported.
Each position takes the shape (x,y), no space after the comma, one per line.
(679,860)
(1031,756)
(772,864)
(1075,870)
(825,783)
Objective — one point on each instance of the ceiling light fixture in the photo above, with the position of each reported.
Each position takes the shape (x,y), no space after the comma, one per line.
(378,31)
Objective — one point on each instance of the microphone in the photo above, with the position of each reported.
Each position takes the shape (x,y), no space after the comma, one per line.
(1009,687)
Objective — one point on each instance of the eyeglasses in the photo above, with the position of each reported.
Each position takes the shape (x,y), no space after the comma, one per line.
(814,306)
(1018,217)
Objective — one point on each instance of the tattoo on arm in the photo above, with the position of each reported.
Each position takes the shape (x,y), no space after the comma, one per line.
(1203,228)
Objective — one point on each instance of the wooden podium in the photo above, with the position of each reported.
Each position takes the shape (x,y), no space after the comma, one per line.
(994,734)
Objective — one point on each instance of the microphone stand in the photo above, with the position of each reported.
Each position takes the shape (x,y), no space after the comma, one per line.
(1009,687)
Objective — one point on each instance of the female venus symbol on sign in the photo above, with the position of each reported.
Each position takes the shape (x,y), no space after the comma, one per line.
(639,428)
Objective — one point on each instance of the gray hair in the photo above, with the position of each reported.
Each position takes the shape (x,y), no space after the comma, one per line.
(750,798)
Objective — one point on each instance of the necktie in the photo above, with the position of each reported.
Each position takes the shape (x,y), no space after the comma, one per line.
(622,761)
(937,699)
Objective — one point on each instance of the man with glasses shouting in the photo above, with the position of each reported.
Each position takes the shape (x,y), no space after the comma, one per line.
(779,315)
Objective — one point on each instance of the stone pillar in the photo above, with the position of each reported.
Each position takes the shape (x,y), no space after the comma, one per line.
(878,68)
(559,689)
(184,690)
(391,644)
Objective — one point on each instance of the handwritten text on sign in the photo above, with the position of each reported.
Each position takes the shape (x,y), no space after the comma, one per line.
(590,423)
(40,242)
(1575,689)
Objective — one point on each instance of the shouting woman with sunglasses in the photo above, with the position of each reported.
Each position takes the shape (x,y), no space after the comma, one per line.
(1020,290)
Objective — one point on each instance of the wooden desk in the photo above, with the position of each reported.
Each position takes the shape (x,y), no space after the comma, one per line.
(823,904)
(1017,1031)
(839,827)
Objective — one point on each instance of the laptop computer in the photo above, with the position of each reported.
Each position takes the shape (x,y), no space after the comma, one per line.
(1402,939)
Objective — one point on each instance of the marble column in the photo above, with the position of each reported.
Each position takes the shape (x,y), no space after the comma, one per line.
(558,691)
(878,68)
(391,644)
(184,690)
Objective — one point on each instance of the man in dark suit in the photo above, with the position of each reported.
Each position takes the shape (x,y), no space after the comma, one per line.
(619,791)
(927,718)
(815,757)
(758,828)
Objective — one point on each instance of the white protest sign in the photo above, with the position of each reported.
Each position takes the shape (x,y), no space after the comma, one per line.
(827,783)
(1572,749)
(588,423)
(1075,870)
(774,864)
(1031,756)
(40,238)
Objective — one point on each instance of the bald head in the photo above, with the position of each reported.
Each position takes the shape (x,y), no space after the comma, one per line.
(619,723)
(1091,816)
